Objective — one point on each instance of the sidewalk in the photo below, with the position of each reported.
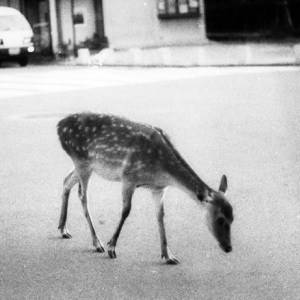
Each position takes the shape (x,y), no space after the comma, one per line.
(211,54)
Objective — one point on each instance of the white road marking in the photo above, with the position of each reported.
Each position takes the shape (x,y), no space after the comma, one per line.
(39,80)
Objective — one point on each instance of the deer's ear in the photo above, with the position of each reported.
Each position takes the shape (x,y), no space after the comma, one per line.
(223,184)
(203,196)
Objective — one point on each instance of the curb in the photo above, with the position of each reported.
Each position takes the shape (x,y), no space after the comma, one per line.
(193,56)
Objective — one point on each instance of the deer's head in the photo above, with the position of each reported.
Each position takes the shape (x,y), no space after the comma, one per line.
(219,215)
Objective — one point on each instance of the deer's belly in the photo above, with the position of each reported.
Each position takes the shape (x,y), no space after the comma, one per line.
(109,171)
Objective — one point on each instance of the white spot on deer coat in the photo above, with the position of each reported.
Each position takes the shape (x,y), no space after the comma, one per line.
(99,146)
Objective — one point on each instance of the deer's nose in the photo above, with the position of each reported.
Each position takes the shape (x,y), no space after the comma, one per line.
(228,249)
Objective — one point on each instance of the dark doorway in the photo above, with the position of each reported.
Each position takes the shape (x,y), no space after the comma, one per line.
(246,19)
(38,15)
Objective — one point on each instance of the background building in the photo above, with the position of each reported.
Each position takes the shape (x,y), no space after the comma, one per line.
(151,23)
(62,26)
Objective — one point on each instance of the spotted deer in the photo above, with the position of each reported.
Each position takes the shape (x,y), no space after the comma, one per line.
(138,155)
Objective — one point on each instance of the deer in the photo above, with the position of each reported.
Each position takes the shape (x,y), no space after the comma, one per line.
(137,155)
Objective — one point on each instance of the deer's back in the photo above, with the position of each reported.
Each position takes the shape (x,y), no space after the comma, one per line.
(113,143)
(116,148)
(81,133)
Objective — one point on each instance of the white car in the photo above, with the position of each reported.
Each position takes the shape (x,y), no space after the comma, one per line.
(15,36)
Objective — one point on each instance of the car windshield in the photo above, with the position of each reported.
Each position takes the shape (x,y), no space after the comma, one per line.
(13,22)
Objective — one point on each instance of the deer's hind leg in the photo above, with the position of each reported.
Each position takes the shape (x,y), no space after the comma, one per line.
(69,182)
(84,175)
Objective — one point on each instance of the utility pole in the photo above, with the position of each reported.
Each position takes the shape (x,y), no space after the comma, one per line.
(283,18)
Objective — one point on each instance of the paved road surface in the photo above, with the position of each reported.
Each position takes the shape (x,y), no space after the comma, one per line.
(241,122)
(43,80)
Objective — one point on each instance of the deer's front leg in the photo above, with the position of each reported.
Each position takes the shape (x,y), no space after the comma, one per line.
(127,193)
(158,195)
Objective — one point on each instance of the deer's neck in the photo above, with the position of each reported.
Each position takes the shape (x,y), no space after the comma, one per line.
(185,180)
(183,175)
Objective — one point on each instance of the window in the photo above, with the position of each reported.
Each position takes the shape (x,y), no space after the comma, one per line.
(13,22)
(172,9)
(80,16)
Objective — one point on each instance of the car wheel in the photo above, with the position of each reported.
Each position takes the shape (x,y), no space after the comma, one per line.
(23,61)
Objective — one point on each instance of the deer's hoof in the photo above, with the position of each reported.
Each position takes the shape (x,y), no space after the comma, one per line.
(172,261)
(170,258)
(98,245)
(111,250)
(112,253)
(100,249)
(65,234)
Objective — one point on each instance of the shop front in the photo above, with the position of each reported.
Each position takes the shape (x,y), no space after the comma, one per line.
(80,25)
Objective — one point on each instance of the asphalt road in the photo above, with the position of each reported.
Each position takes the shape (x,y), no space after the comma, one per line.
(240,122)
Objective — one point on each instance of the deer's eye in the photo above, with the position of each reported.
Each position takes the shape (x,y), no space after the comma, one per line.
(220,222)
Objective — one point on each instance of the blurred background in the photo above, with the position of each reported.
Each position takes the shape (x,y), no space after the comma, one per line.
(61,27)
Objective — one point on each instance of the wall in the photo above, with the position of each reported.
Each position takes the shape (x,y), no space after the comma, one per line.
(53,26)
(136,25)
(64,11)
(86,30)
(129,25)
(11,3)
(82,31)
